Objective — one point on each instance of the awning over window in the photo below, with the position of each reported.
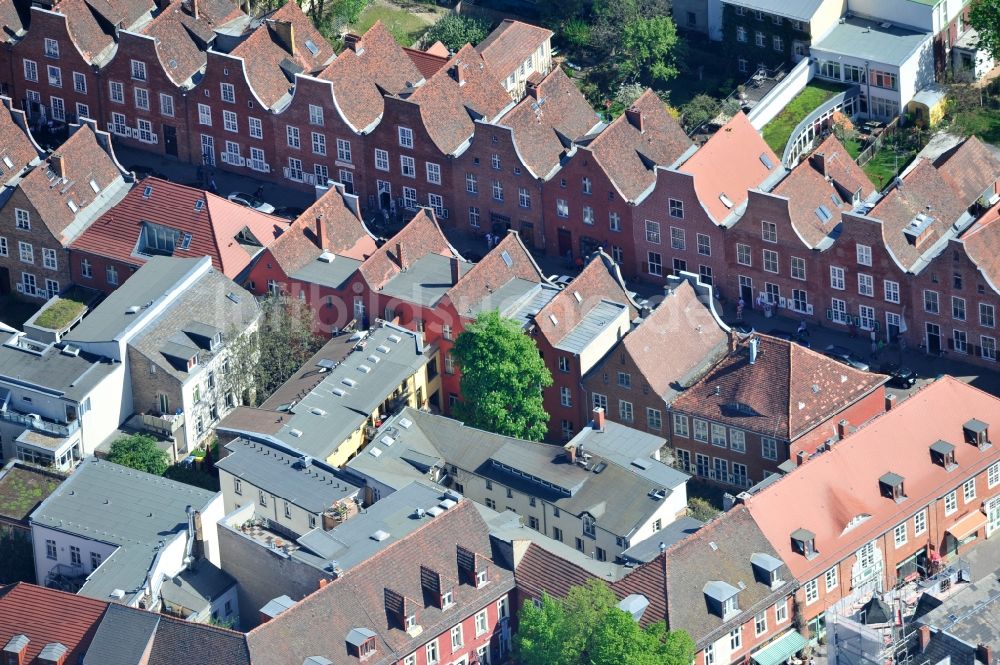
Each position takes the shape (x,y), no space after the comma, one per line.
(966,526)
(781,649)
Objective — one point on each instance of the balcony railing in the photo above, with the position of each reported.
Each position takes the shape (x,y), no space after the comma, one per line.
(36,422)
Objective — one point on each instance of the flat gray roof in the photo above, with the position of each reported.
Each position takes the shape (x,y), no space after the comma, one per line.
(312,486)
(388,520)
(333,274)
(151,282)
(800,10)
(619,443)
(196,588)
(865,38)
(671,534)
(425,281)
(352,390)
(595,322)
(136,511)
(72,376)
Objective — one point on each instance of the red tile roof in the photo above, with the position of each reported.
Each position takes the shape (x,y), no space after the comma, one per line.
(83,160)
(87,33)
(969,168)
(510,44)
(318,625)
(826,493)
(628,154)
(685,326)
(179,35)
(12,22)
(16,144)
(546,120)
(344,234)
(46,616)
(600,279)
(806,189)
(213,227)
(427,63)
(982,244)
(420,237)
(360,75)
(446,103)
(493,272)
(728,164)
(788,391)
(264,54)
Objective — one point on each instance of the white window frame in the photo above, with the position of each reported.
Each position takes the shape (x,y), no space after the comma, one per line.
(405,135)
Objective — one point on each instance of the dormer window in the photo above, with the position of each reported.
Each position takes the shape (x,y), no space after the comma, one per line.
(722,599)
(977,433)
(411,621)
(767,569)
(447,600)
(361,643)
(192,362)
(216,341)
(482,577)
(943,454)
(891,487)
(367,648)
(804,543)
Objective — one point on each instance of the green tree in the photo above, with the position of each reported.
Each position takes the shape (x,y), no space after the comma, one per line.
(701,509)
(139,451)
(611,15)
(259,362)
(455,31)
(698,111)
(648,46)
(502,378)
(985,18)
(576,33)
(587,627)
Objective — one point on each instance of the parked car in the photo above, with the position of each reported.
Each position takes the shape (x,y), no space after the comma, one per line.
(288,212)
(791,336)
(899,377)
(846,356)
(251,201)
(562,281)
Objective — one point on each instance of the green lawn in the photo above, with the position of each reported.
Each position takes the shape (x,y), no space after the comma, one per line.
(886,163)
(983,122)
(779,130)
(60,313)
(406,27)
(22,490)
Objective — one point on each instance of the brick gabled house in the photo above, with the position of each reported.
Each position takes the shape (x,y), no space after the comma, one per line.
(434,595)
(317,258)
(573,331)
(145,99)
(589,203)
(679,226)
(769,400)
(517,53)
(498,179)
(161,218)
(424,127)
(784,246)
(910,491)
(667,350)
(51,205)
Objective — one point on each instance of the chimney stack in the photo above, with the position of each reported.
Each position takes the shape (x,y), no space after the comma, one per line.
(353,42)
(634,116)
(801,457)
(58,164)
(923,637)
(455,271)
(400,256)
(842,429)
(890,401)
(819,163)
(984,654)
(285,32)
(457,72)
(320,235)
(323,582)
(194,8)
(598,419)
(571,454)
(531,88)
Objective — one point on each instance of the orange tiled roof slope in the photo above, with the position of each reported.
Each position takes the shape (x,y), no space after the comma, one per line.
(16,145)
(552,114)
(507,261)
(179,35)
(213,225)
(765,396)
(63,181)
(732,161)
(47,616)
(644,136)
(826,493)
(420,237)
(600,279)
(982,244)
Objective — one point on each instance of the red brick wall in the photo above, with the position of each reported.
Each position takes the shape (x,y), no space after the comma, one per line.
(39,237)
(470,641)
(99,270)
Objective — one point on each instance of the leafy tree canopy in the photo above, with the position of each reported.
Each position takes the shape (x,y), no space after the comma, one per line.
(985,18)
(502,378)
(455,31)
(139,451)
(648,46)
(698,111)
(587,627)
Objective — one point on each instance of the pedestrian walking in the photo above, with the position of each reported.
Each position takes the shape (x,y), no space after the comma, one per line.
(803,331)
(212,187)
(489,241)
(740,304)
(260,192)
